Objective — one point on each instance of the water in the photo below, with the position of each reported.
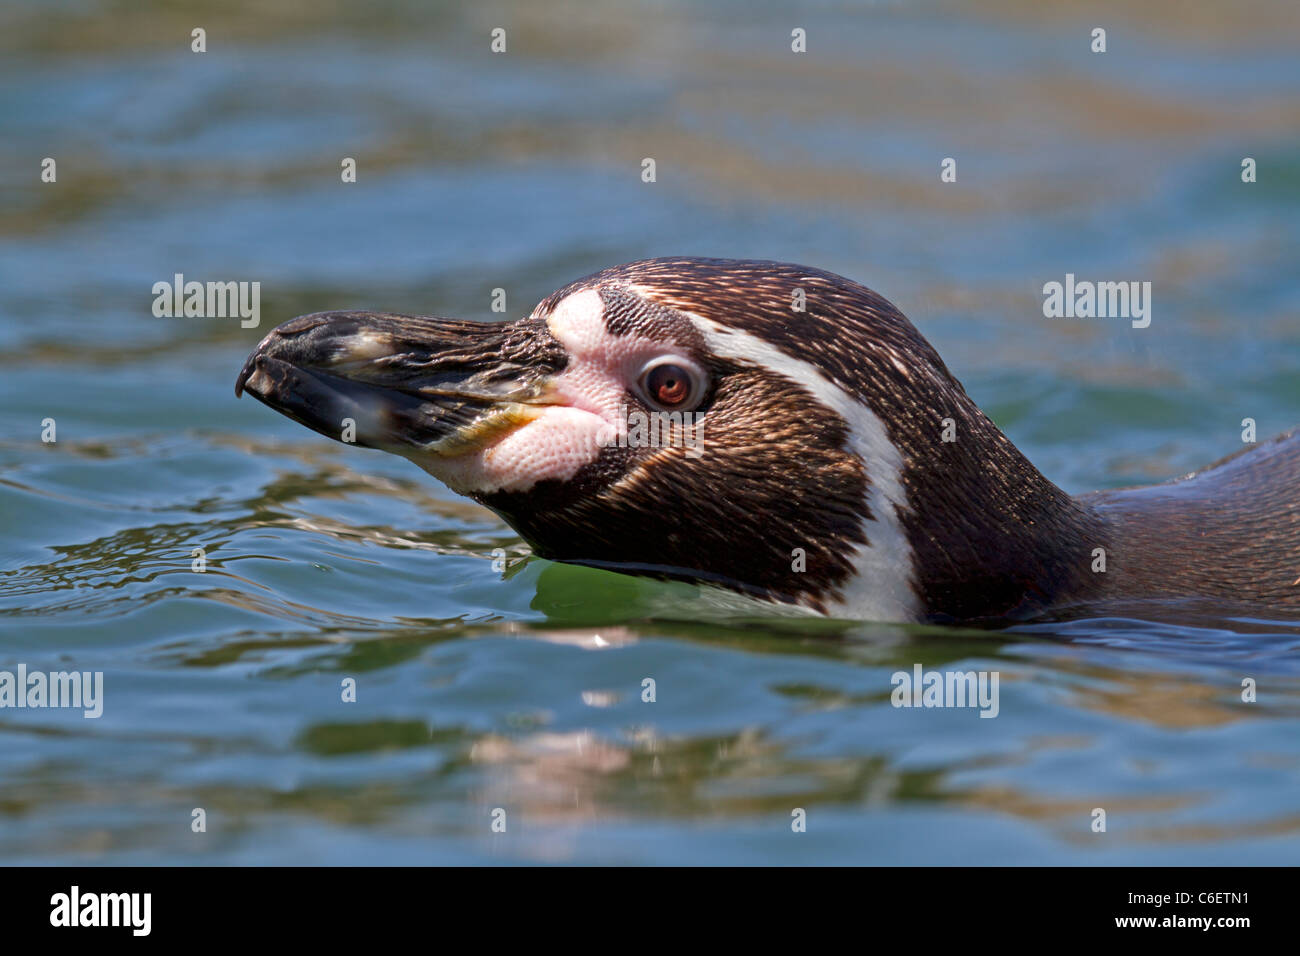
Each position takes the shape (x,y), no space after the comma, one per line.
(477,690)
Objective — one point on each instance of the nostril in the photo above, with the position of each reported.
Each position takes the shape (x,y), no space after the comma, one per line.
(286,338)
(300,325)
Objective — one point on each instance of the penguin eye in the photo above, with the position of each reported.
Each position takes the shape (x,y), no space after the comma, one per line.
(672,384)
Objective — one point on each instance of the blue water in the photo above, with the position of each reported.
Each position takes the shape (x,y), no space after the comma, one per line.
(478,690)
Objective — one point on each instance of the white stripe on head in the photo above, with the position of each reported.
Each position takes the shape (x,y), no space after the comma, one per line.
(881,587)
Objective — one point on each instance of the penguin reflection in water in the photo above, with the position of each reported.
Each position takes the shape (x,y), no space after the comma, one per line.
(818,480)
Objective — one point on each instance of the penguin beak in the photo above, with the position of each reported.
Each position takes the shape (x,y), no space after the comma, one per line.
(404,384)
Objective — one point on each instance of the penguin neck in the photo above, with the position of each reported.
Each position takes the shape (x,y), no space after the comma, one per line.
(990,535)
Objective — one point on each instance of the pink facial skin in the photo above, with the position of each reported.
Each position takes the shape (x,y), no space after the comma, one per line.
(588,396)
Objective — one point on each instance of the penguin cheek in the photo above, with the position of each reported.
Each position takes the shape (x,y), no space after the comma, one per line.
(558,442)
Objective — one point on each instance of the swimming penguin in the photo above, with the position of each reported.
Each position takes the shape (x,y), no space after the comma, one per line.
(773,430)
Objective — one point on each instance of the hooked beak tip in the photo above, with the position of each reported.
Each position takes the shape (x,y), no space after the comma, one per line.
(245,374)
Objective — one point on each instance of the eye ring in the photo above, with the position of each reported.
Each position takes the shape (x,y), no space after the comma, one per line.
(671,384)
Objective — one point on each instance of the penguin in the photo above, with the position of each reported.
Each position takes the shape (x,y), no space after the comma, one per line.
(776,432)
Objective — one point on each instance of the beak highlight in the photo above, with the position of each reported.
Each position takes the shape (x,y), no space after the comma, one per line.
(405,383)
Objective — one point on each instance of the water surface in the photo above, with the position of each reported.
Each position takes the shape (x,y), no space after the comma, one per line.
(479,690)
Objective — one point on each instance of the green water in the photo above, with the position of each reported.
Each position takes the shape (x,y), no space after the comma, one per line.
(477,690)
